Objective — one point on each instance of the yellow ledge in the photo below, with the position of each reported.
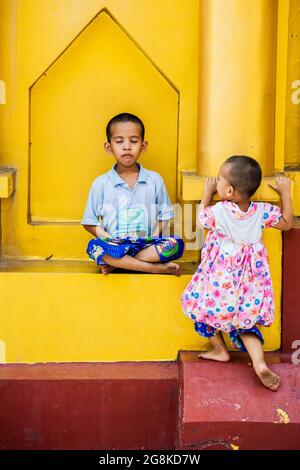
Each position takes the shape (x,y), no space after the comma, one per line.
(6,182)
(193,185)
(66,311)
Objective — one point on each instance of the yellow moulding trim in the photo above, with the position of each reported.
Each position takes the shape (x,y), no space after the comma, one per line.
(281,78)
(6,182)
(193,185)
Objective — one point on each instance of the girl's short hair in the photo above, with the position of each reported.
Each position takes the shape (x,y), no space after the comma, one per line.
(244,174)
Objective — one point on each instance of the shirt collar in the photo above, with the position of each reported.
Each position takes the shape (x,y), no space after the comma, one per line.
(237,212)
(117,180)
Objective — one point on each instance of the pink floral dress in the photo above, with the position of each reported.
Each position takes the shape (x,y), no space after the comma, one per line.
(232,287)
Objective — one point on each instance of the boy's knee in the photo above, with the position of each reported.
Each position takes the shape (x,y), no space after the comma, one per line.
(171,249)
(180,247)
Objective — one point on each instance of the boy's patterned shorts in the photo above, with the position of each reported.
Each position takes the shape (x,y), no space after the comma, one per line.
(167,248)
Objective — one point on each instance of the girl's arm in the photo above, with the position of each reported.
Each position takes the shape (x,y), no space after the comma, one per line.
(210,188)
(283,188)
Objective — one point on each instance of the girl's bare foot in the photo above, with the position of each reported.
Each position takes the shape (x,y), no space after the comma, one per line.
(221,355)
(167,268)
(106,269)
(267,377)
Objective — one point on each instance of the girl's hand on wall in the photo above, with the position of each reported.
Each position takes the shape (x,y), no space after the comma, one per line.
(282,185)
(210,186)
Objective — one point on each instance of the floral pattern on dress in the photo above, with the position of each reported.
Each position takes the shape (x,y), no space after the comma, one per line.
(232,291)
(271,217)
(236,211)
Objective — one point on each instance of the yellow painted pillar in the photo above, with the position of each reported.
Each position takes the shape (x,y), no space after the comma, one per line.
(292,127)
(237,82)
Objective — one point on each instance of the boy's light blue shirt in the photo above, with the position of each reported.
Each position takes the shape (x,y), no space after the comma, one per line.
(125,211)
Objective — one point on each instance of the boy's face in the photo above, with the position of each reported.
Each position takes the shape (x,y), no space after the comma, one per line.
(126,143)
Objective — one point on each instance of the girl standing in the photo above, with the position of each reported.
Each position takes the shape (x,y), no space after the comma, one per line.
(231,290)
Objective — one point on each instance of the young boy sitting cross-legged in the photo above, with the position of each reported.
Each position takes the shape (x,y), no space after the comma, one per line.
(133,205)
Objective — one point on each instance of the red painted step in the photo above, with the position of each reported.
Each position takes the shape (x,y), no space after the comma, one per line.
(89,406)
(225,406)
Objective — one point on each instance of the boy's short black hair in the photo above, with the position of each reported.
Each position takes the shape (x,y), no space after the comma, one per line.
(244,174)
(124,117)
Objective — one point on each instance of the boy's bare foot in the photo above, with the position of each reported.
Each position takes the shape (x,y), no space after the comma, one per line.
(107,269)
(221,355)
(167,268)
(267,377)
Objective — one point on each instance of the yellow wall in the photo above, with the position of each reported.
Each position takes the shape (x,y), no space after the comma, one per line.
(136,56)
(237,82)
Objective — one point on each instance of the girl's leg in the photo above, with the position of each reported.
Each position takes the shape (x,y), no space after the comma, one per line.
(254,347)
(218,352)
